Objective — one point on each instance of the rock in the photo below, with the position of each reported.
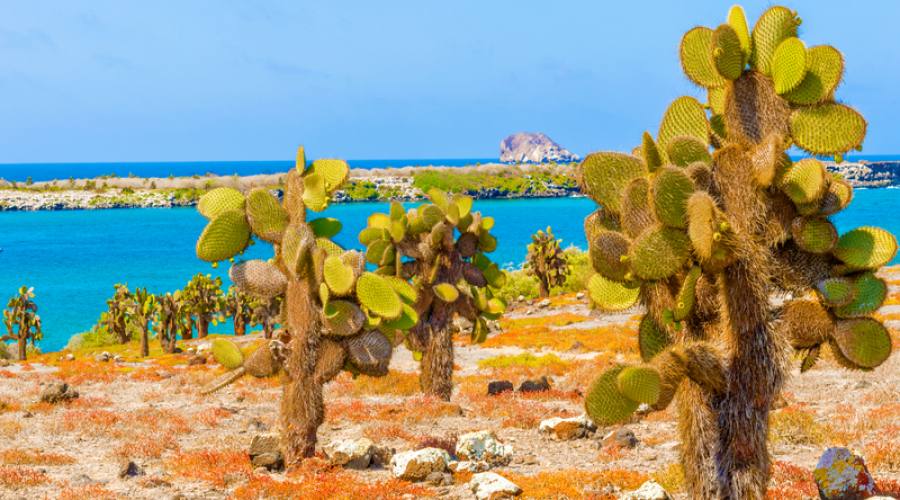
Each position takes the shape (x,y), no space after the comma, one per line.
(544,304)
(520,298)
(565,429)
(416,465)
(352,454)
(103,357)
(271,461)
(499,386)
(622,438)
(650,490)
(197,360)
(257,425)
(381,456)
(118,359)
(81,480)
(4,362)
(265,451)
(537,385)
(492,486)
(533,147)
(579,295)
(483,446)
(70,357)
(57,392)
(439,479)
(469,466)
(842,475)
(130,469)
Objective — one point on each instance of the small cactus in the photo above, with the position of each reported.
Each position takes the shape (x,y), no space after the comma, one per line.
(23,324)
(144,307)
(203,297)
(546,261)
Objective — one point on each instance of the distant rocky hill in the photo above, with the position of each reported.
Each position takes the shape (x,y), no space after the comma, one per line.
(869,174)
(533,147)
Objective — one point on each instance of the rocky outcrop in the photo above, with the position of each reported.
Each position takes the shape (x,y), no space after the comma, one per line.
(533,147)
(868,174)
(841,475)
(417,465)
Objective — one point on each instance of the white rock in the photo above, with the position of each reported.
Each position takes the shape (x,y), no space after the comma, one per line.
(483,446)
(352,454)
(841,474)
(579,295)
(544,303)
(469,466)
(650,490)
(416,465)
(567,428)
(491,486)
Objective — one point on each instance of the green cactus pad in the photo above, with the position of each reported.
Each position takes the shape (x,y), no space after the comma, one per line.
(220,200)
(727,53)
(696,58)
(446,292)
(227,353)
(370,352)
(406,291)
(326,227)
(864,342)
(789,65)
(639,383)
(827,129)
(814,234)
(866,248)
(805,182)
(611,295)
(604,403)
(604,176)
(738,22)
(338,276)
(300,160)
(267,218)
(376,294)
(342,318)
(258,278)
(715,99)
(659,253)
(652,339)
(371,234)
(408,319)
(869,292)
(774,26)
(637,215)
(330,247)
(701,174)
(224,237)
(333,172)
(671,190)
(684,117)
(296,247)
(684,301)
(836,198)
(836,291)
(315,197)
(609,255)
(599,220)
(686,150)
(379,252)
(650,152)
(825,67)
(487,243)
(439,199)
(431,214)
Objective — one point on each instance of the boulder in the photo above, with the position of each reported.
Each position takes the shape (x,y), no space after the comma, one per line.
(469,466)
(565,429)
(650,490)
(439,479)
(492,486)
(544,304)
(265,451)
(499,386)
(418,464)
(536,385)
(483,446)
(57,392)
(622,438)
(130,469)
(842,475)
(352,454)
(533,147)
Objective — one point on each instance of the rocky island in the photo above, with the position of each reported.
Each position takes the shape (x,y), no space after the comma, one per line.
(533,147)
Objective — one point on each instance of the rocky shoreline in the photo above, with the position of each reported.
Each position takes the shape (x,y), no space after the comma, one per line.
(532,181)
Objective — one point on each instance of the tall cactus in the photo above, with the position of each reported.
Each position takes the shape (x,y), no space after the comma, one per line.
(441,247)
(203,297)
(267,313)
(546,261)
(704,223)
(144,309)
(22,321)
(239,306)
(119,310)
(337,315)
(167,320)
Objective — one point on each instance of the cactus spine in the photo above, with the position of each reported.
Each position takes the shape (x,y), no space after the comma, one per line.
(22,321)
(546,261)
(732,222)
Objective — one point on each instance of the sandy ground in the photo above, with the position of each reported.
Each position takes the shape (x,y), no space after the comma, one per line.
(191,446)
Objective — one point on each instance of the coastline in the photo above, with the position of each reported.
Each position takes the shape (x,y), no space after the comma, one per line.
(486,181)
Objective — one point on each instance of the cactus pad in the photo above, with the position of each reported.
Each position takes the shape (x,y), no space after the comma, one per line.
(684,301)
(220,200)
(738,22)
(326,227)
(684,117)
(827,129)
(315,197)
(805,182)
(864,342)
(227,353)
(696,58)
(639,383)
(604,175)
(377,295)
(825,67)
(446,292)
(650,152)
(610,295)
(333,172)
(224,237)
(338,276)
(636,212)
(342,318)
(609,255)
(869,292)
(296,247)
(789,65)
(370,352)
(408,319)
(866,248)
(258,278)
(652,339)
(836,198)
(266,216)
(813,234)
(604,403)
(774,26)
(836,291)
(671,190)
(727,52)
(659,253)
(683,151)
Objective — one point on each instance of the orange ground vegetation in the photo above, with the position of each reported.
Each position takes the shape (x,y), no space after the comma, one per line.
(791,482)
(393,384)
(413,409)
(576,483)
(19,456)
(210,466)
(92,491)
(15,477)
(513,410)
(612,338)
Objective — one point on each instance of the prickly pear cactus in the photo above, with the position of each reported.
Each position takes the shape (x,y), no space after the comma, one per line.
(203,298)
(704,223)
(337,314)
(441,248)
(546,261)
(22,322)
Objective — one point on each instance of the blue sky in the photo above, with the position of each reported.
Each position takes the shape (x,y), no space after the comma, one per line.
(239,80)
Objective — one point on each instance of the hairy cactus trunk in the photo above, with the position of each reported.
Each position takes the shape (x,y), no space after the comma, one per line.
(544,286)
(145,341)
(436,378)
(202,326)
(240,326)
(267,329)
(22,348)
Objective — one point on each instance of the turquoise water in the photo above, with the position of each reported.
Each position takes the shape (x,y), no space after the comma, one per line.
(72,258)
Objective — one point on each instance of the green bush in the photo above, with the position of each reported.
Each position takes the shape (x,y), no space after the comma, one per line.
(520,283)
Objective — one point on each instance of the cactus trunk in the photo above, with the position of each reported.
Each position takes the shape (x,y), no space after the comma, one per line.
(202,326)
(436,377)
(544,287)
(267,329)
(22,348)
(145,341)
(240,326)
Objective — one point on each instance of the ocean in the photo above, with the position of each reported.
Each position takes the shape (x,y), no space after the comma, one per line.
(73,258)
